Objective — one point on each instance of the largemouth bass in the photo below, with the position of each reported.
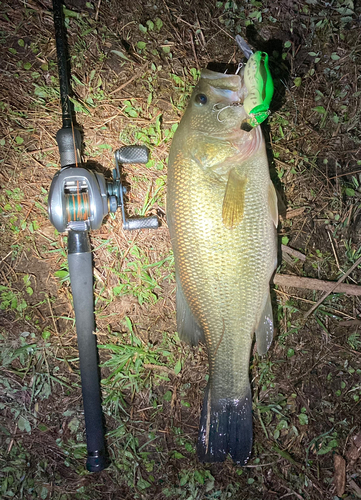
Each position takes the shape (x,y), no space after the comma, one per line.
(222,216)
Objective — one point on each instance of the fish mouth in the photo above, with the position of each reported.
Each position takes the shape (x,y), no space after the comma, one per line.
(222,81)
(228,88)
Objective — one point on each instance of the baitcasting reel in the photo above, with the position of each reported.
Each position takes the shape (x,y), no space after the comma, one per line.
(79,199)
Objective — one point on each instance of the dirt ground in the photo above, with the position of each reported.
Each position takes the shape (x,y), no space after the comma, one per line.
(133,67)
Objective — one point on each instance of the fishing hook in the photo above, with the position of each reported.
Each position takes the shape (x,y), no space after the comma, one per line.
(219,111)
(240,66)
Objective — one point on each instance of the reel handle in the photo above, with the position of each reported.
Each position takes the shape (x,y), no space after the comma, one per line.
(143,223)
(132,154)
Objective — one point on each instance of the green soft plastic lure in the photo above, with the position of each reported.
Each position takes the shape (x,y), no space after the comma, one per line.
(260,88)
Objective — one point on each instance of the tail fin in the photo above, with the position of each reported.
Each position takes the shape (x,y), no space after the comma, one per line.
(226,427)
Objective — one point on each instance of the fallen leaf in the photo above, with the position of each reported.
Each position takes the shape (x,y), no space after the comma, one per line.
(339,477)
(354,450)
(293,212)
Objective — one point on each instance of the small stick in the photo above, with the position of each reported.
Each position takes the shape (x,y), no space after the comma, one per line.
(347,273)
(97,11)
(13,438)
(315,284)
(6,256)
(343,175)
(36,151)
(334,250)
(293,252)
(137,75)
(52,317)
(194,50)
(341,313)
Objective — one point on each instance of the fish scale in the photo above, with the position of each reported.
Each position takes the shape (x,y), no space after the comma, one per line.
(222,272)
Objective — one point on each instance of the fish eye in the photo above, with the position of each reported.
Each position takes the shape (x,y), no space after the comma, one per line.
(201,99)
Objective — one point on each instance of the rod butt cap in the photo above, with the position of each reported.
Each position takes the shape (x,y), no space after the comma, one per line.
(96,461)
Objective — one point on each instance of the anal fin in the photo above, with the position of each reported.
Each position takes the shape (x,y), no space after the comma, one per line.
(265,327)
(188,329)
(233,202)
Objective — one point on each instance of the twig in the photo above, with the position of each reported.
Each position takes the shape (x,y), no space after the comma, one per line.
(194,49)
(221,29)
(343,175)
(293,252)
(98,275)
(52,317)
(34,159)
(334,287)
(12,438)
(36,151)
(290,494)
(148,408)
(302,299)
(259,465)
(108,120)
(334,250)
(314,284)
(6,256)
(130,81)
(97,11)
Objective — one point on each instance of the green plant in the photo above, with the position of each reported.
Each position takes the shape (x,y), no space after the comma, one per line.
(12,300)
(127,366)
(140,277)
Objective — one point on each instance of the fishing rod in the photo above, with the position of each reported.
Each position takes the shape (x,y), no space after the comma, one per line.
(78,201)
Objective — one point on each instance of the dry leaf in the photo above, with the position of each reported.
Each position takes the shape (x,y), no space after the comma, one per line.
(339,477)
(354,450)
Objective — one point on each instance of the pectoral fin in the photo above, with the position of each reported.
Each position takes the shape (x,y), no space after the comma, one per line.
(264,330)
(233,202)
(188,329)
(272,203)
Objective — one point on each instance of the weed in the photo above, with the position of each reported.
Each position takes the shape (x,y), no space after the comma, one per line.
(354,341)
(63,273)
(184,87)
(351,252)
(324,443)
(151,200)
(17,480)
(127,367)
(140,277)
(12,301)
